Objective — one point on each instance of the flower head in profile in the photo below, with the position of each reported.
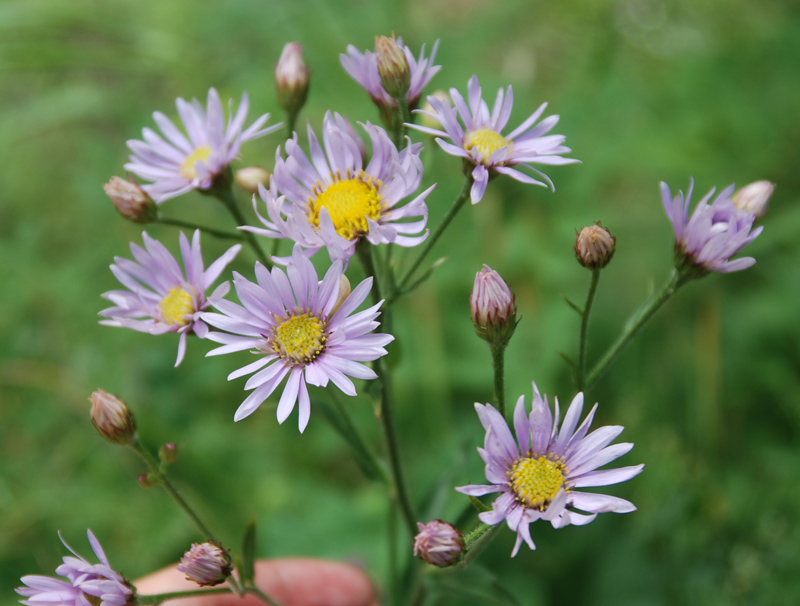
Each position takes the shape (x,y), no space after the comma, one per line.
(180,163)
(538,473)
(438,543)
(86,585)
(161,298)
(301,330)
(207,564)
(481,143)
(714,233)
(333,200)
(363,68)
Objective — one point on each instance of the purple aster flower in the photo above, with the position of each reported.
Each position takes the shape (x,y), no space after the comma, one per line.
(301,329)
(538,473)
(87,584)
(481,142)
(332,200)
(160,297)
(180,163)
(363,68)
(715,232)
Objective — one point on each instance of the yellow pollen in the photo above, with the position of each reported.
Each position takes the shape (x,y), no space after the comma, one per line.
(487,141)
(187,168)
(350,202)
(175,306)
(536,481)
(299,338)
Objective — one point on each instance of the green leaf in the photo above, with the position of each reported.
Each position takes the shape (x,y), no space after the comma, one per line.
(479,505)
(246,565)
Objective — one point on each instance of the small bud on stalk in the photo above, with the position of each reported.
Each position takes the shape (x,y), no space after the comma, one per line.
(344,292)
(754,198)
(249,177)
(206,564)
(594,246)
(392,67)
(130,200)
(494,312)
(146,480)
(112,418)
(168,453)
(438,543)
(291,78)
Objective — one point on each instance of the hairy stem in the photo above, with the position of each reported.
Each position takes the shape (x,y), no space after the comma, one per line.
(587,309)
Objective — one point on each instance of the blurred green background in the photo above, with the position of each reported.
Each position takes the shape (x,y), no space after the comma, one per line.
(646,90)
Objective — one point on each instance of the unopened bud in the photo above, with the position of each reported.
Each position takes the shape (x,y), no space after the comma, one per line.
(424,118)
(392,67)
(344,292)
(291,78)
(249,177)
(146,480)
(168,453)
(438,543)
(594,246)
(112,418)
(206,564)
(130,200)
(754,198)
(493,309)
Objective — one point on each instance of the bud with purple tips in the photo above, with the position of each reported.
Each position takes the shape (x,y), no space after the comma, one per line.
(438,543)
(130,200)
(494,312)
(168,453)
(112,418)
(754,198)
(291,78)
(594,246)
(393,67)
(206,564)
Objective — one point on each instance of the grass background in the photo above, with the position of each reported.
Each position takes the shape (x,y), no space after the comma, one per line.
(646,90)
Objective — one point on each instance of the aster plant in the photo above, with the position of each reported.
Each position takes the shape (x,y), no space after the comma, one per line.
(302,335)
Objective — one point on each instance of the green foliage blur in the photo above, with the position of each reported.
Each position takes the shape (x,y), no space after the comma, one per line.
(647,91)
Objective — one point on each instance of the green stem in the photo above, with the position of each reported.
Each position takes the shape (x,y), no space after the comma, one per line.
(635,323)
(498,363)
(364,251)
(217,233)
(291,123)
(160,598)
(222,191)
(401,130)
(457,204)
(587,308)
(475,541)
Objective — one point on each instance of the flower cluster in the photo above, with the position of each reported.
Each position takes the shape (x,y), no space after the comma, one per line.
(538,472)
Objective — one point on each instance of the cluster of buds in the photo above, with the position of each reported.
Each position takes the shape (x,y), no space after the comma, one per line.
(206,564)
(493,309)
(392,67)
(594,246)
(438,543)
(292,78)
(112,418)
(130,200)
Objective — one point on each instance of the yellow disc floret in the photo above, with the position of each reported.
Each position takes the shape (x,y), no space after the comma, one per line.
(486,141)
(350,202)
(176,306)
(187,168)
(536,480)
(298,338)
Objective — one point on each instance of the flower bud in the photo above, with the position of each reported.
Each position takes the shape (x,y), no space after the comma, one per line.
(392,67)
(206,564)
(168,453)
(754,198)
(494,312)
(291,78)
(594,246)
(344,292)
(147,480)
(249,177)
(112,418)
(130,200)
(425,119)
(438,543)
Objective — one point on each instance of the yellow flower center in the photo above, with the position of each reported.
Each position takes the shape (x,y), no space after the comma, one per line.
(487,141)
(299,338)
(187,168)
(536,481)
(175,306)
(350,202)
